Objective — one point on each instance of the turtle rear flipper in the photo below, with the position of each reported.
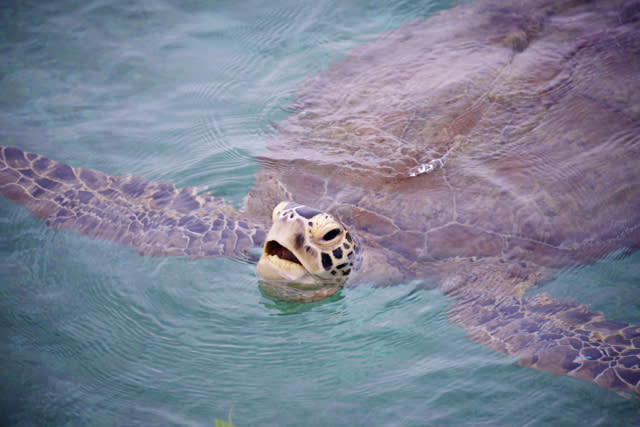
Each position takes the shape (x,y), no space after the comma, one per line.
(559,337)
(153,218)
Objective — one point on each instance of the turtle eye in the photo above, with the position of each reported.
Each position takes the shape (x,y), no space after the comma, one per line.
(331,234)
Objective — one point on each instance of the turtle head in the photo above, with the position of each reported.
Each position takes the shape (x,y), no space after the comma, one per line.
(306,247)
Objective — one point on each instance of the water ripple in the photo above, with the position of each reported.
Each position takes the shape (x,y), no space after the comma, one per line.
(186,92)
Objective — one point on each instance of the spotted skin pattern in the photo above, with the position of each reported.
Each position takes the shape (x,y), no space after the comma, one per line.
(314,239)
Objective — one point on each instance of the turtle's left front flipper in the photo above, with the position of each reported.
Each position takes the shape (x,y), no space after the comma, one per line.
(555,336)
(154,218)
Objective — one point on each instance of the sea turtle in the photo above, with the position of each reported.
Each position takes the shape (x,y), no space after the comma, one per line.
(478,151)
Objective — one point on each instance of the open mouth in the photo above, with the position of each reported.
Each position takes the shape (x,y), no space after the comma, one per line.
(273,248)
(279,263)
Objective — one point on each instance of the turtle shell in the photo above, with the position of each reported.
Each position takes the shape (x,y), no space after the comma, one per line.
(532,112)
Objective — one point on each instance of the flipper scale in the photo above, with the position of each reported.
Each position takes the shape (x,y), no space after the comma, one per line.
(153,218)
(551,335)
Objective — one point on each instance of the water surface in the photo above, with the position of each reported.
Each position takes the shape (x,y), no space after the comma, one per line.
(93,334)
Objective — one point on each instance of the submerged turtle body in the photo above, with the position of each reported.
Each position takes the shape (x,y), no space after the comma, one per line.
(476,157)
(540,143)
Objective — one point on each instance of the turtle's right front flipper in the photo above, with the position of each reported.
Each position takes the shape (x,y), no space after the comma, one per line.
(153,218)
(555,336)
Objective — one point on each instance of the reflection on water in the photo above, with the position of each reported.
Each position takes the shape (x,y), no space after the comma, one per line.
(187,92)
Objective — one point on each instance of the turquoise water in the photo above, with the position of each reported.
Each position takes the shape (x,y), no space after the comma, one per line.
(93,334)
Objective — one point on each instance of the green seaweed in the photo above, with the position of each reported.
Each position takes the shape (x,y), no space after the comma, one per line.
(220,423)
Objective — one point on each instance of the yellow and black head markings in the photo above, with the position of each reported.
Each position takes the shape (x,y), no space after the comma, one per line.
(307,246)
